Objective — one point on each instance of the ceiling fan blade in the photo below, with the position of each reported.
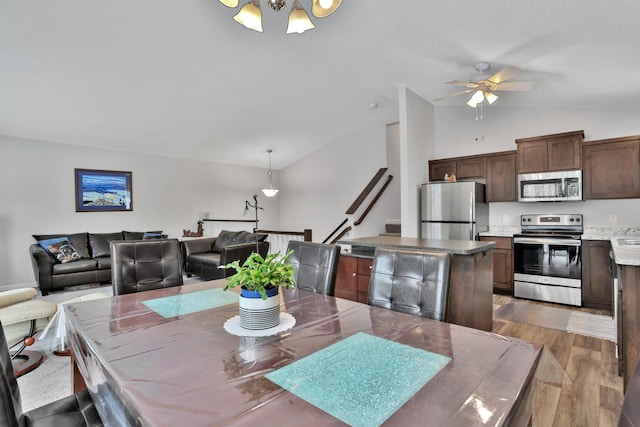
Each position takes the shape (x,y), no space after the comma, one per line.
(514,86)
(454,94)
(461,83)
(506,73)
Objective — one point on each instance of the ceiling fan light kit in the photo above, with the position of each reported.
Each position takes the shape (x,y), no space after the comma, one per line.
(483,87)
(250,14)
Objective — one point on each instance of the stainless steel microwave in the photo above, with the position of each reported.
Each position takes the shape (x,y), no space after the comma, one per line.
(550,186)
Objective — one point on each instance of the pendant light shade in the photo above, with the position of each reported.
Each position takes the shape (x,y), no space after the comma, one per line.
(250,16)
(299,21)
(475,99)
(270,191)
(324,8)
(490,97)
(229,3)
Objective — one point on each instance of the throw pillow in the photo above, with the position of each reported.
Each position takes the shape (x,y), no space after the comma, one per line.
(60,249)
(149,236)
(252,237)
(227,238)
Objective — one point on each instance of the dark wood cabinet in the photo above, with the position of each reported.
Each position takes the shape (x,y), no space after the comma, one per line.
(464,167)
(502,264)
(597,283)
(362,279)
(549,153)
(438,168)
(352,280)
(346,279)
(612,168)
(501,177)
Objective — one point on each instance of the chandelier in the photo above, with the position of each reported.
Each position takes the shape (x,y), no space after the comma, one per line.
(250,15)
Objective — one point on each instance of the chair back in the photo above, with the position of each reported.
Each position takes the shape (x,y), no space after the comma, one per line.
(143,265)
(411,281)
(10,403)
(316,265)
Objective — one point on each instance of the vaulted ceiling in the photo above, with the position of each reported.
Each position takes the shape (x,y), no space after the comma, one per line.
(182,79)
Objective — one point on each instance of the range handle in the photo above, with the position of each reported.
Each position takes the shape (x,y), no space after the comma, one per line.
(546,241)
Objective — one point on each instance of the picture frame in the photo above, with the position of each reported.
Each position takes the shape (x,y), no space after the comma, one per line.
(103,190)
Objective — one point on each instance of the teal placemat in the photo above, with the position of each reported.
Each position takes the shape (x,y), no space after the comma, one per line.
(178,305)
(361,380)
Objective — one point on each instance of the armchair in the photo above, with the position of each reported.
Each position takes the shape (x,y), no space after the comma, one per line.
(22,316)
(204,256)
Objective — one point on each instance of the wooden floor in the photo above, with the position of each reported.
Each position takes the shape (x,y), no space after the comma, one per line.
(585,389)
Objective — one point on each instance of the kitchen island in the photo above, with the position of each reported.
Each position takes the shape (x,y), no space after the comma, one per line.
(626,253)
(471,281)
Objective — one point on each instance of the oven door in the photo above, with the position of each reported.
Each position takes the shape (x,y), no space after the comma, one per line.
(548,268)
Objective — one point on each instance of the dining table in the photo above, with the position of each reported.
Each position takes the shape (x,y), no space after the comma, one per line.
(176,357)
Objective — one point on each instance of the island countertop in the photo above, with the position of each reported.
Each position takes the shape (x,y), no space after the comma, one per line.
(456,247)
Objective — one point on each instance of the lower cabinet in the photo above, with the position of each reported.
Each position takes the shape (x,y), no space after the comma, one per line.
(597,283)
(502,264)
(352,280)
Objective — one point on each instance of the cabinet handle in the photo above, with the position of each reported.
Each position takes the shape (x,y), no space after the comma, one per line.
(370,267)
(354,274)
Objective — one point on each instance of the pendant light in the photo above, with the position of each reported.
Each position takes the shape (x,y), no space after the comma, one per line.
(270,191)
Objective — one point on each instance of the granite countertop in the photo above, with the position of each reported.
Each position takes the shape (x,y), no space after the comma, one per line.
(456,247)
(623,254)
(500,231)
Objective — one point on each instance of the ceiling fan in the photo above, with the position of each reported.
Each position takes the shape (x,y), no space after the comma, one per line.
(483,86)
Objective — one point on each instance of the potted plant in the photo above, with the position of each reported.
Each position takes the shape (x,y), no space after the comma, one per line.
(260,279)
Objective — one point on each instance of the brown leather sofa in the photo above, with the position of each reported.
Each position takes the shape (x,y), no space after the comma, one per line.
(204,256)
(94,265)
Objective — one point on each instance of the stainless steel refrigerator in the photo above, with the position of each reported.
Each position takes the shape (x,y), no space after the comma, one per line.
(454,210)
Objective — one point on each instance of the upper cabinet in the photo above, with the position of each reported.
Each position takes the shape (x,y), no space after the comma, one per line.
(557,152)
(464,167)
(501,177)
(611,168)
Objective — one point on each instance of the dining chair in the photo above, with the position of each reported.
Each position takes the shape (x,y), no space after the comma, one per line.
(77,410)
(316,265)
(411,281)
(143,265)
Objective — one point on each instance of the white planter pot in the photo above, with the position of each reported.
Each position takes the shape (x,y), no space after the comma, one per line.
(257,313)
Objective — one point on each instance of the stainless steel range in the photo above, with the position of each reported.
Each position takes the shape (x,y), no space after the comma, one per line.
(547,258)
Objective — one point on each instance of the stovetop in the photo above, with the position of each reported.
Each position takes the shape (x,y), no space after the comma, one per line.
(552,224)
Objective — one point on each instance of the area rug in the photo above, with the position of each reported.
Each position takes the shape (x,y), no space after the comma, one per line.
(562,319)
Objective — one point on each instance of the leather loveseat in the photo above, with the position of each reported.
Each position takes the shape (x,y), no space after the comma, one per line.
(93,265)
(204,256)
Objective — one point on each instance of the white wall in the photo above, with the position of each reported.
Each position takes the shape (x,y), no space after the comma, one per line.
(459,134)
(417,146)
(317,190)
(37,193)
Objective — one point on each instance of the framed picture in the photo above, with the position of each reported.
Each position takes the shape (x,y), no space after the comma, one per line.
(102,190)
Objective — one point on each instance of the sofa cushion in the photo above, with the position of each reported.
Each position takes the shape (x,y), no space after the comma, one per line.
(210,259)
(104,262)
(99,242)
(79,241)
(137,235)
(75,267)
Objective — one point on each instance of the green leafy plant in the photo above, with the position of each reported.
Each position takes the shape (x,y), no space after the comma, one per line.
(259,274)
